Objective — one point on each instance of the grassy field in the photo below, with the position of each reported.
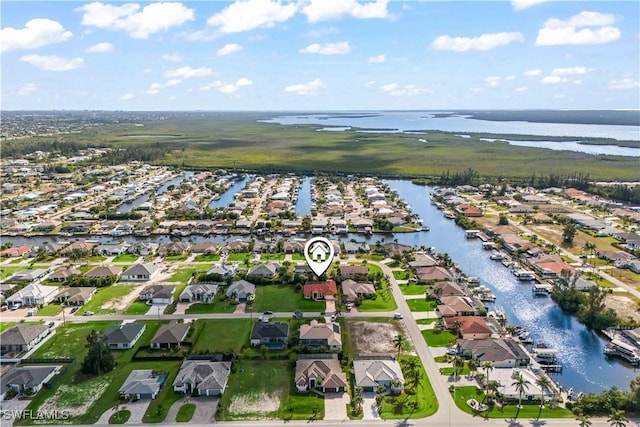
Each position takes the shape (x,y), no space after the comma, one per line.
(126,258)
(103,296)
(384,302)
(137,308)
(272,257)
(413,289)
(422,305)
(438,338)
(240,256)
(183,275)
(6,325)
(50,310)
(207,257)
(221,335)
(529,411)
(282,298)
(6,272)
(69,339)
(400,407)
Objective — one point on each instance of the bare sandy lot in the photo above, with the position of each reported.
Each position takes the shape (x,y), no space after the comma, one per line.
(624,306)
(261,403)
(374,337)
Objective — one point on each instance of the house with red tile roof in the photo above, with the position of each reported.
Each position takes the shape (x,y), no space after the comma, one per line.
(320,290)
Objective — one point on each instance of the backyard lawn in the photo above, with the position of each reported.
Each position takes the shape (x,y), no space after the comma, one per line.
(282,298)
(529,411)
(422,305)
(109,294)
(131,258)
(207,257)
(384,302)
(221,335)
(438,338)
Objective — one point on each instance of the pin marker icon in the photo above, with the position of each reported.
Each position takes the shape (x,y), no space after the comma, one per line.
(319,253)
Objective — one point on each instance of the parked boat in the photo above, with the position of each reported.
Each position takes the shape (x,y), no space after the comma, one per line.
(524,275)
(621,349)
(497,256)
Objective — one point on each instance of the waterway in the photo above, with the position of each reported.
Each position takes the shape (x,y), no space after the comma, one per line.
(585,368)
(303,204)
(227,197)
(126,207)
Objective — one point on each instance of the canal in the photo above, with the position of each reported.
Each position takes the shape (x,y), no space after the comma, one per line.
(227,197)
(585,368)
(127,207)
(303,204)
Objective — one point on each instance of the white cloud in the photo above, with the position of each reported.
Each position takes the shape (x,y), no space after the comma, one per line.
(155,88)
(210,86)
(394,89)
(100,48)
(575,30)
(552,80)
(321,32)
(523,4)
(326,10)
(138,23)
(534,72)
(27,89)
(483,42)
(147,70)
(172,57)
(243,81)
(521,89)
(53,63)
(309,88)
(251,14)
(569,71)
(493,81)
(228,88)
(127,96)
(228,49)
(173,82)
(370,83)
(339,48)
(378,59)
(188,72)
(624,84)
(36,33)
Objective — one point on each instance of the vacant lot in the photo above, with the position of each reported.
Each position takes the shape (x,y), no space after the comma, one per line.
(282,298)
(422,305)
(383,302)
(374,336)
(107,300)
(183,275)
(69,340)
(221,335)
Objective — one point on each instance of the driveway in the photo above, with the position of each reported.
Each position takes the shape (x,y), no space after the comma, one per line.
(156,309)
(335,406)
(369,407)
(205,409)
(137,410)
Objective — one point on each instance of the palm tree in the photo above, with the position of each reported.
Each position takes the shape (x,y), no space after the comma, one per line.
(544,383)
(357,400)
(521,384)
(473,365)
(617,419)
(487,366)
(584,420)
(398,342)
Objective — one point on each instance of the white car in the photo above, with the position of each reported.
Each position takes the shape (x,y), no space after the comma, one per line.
(397,316)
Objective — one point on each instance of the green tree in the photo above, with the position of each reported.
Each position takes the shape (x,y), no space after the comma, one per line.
(521,385)
(545,385)
(487,366)
(99,359)
(568,233)
(584,420)
(504,220)
(617,419)
(398,342)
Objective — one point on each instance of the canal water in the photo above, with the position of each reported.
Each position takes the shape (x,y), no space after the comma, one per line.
(585,368)
(303,204)
(227,197)
(126,207)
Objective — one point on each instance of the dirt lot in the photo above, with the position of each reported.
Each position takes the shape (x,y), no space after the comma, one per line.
(262,403)
(375,337)
(624,306)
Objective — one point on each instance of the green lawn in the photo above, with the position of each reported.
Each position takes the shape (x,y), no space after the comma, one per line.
(240,256)
(6,272)
(255,381)
(529,410)
(120,417)
(300,406)
(137,308)
(69,340)
(221,335)
(384,302)
(183,275)
(185,413)
(207,257)
(412,289)
(108,294)
(422,305)
(6,325)
(401,274)
(298,257)
(97,258)
(50,310)
(401,407)
(282,298)
(173,258)
(427,321)
(126,258)
(216,307)
(272,257)
(374,269)
(438,338)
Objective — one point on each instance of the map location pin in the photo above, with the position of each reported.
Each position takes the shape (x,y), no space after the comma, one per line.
(319,253)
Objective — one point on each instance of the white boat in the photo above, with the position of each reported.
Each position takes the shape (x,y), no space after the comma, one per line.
(524,275)
(497,256)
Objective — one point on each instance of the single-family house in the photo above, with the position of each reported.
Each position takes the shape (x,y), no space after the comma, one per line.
(142,384)
(317,334)
(202,377)
(444,289)
(468,210)
(505,379)
(124,336)
(157,294)
(422,260)
(500,352)
(22,337)
(144,248)
(456,306)
(63,274)
(32,295)
(30,378)
(372,371)
(206,248)
(241,291)
(170,335)
(112,249)
(320,290)
(29,275)
(75,295)
(352,290)
(432,274)
(199,292)
(271,335)
(103,272)
(353,271)
(320,373)
(221,270)
(82,247)
(174,249)
(266,271)
(141,272)
(15,252)
(469,327)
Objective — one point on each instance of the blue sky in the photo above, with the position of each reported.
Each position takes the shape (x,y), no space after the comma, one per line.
(320,54)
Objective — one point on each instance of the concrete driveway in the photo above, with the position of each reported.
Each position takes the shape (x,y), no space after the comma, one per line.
(137,410)
(369,407)
(205,409)
(155,309)
(335,406)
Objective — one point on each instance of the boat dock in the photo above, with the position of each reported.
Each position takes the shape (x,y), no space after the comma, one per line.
(542,289)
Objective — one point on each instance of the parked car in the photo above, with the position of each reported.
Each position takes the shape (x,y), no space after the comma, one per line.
(268,313)
(397,315)
(88,313)
(74,309)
